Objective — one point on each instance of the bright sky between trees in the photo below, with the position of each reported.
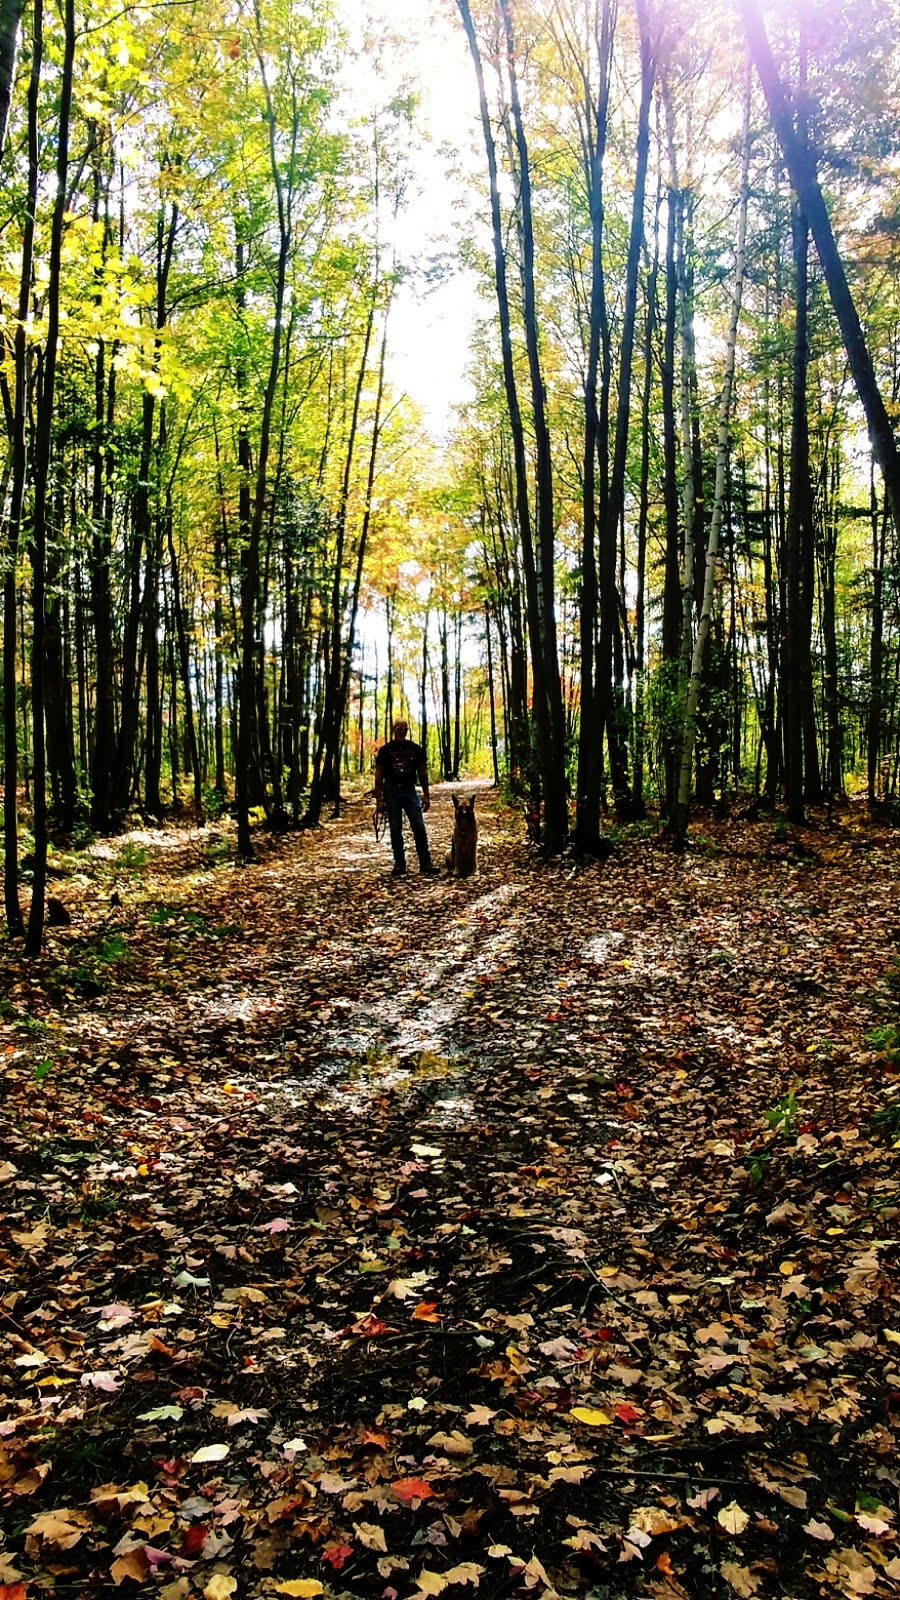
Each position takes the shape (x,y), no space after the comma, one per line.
(431,327)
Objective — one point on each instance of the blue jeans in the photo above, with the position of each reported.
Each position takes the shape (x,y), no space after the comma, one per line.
(396,802)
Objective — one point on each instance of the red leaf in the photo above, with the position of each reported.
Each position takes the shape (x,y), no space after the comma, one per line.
(376,1436)
(193,1540)
(368,1327)
(336,1555)
(627,1413)
(407,1489)
(425,1311)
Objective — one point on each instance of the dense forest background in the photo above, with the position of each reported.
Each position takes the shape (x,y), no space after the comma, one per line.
(657,553)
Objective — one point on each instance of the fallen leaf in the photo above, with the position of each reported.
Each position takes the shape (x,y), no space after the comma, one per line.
(468,1572)
(100,1380)
(818,1530)
(62,1528)
(35,1239)
(336,1555)
(133,1564)
(431,1582)
(370,1535)
(479,1417)
(732,1518)
(452,1444)
(740,1579)
(220,1587)
(590,1416)
(407,1489)
(211,1452)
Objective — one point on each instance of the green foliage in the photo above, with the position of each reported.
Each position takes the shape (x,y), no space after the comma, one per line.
(783,1117)
(90,964)
(214,802)
(132,857)
(758,1164)
(886,1040)
(887,1119)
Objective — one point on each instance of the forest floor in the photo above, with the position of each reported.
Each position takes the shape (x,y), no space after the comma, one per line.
(531,1235)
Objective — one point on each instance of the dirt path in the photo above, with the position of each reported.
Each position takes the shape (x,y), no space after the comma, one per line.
(531,1232)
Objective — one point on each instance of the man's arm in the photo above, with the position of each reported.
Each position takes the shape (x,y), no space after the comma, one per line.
(379,780)
(422,774)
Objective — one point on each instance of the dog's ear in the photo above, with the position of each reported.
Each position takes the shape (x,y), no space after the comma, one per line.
(455,799)
(472,802)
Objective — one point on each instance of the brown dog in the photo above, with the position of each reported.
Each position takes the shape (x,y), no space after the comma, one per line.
(462,859)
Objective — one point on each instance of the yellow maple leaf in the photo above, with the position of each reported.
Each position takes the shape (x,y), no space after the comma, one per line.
(590,1416)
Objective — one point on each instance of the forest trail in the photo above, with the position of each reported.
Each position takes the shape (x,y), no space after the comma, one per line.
(531,1233)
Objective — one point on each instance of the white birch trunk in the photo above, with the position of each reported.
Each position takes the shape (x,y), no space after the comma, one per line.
(686,317)
(692,698)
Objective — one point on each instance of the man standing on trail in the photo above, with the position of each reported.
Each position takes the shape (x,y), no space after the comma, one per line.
(397,766)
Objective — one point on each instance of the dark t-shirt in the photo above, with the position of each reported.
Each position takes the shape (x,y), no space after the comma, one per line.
(399,761)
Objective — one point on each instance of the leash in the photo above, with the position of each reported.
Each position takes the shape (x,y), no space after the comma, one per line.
(379,822)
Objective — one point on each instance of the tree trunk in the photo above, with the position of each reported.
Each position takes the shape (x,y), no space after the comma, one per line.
(60,745)
(874,731)
(671,618)
(491,694)
(801,167)
(680,818)
(590,730)
(609,699)
(10,17)
(102,464)
(520,468)
(40,510)
(551,723)
(329,731)
(19,451)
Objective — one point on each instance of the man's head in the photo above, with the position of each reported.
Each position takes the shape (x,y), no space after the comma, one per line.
(399,730)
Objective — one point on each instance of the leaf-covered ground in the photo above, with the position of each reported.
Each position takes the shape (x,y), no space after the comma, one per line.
(530,1235)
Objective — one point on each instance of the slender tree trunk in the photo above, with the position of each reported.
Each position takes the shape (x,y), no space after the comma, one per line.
(590,735)
(551,725)
(328,739)
(800,163)
(671,619)
(610,704)
(643,519)
(10,17)
(19,443)
(181,636)
(41,507)
(874,731)
(796,695)
(520,467)
(457,696)
(362,546)
(798,517)
(423,684)
(60,745)
(140,599)
(834,734)
(680,818)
